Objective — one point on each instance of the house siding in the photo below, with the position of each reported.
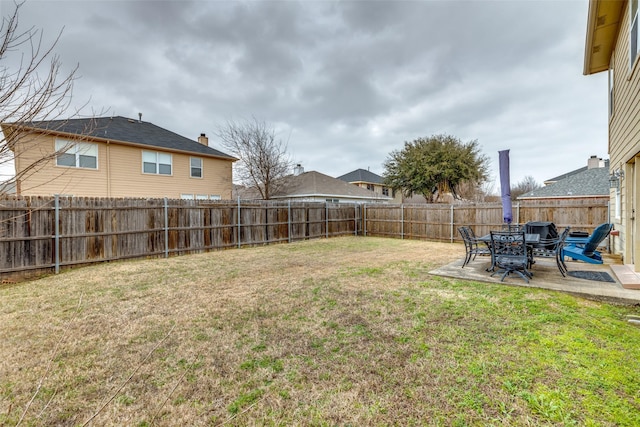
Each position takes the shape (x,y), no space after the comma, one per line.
(119,173)
(624,137)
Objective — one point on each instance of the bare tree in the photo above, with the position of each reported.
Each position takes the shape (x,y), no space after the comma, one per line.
(31,89)
(263,158)
(527,184)
(472,191)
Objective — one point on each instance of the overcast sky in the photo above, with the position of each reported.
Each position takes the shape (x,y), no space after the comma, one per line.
(345,83)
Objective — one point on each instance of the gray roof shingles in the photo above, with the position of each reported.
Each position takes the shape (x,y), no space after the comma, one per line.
(588,183)
(127,130)
(361,175)
(318,184)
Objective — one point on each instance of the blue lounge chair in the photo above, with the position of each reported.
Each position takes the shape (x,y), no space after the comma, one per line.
(587,251)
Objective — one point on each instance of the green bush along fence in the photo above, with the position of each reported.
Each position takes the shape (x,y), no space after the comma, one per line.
(44,234)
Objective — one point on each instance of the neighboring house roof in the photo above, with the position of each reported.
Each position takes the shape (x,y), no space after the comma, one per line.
(315,184)
(588,183)
(603,22)
(565,175)
(125,130)
(361,175)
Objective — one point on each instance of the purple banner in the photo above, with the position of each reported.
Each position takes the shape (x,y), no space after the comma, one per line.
(505,186)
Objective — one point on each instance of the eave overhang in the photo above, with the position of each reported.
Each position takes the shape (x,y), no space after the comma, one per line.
(603,24)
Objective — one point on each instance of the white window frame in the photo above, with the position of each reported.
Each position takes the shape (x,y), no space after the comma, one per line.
(159,159)
(611,86)
(634,33)
(79,151)
(192,167)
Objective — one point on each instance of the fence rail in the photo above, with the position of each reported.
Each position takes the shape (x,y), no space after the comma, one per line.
(44,234)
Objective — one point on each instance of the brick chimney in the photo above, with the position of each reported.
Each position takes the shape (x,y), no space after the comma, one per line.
(202,139)
(594,162)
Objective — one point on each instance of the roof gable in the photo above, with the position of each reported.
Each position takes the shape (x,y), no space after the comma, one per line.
(318,184)
(315,184)
(130,131)
(566,175)
(361,175)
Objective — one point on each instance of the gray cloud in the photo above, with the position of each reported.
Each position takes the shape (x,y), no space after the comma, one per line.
(345,82)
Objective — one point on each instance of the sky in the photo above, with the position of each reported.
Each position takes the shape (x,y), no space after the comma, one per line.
(343,83)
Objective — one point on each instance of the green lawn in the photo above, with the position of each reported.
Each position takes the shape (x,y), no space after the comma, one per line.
(344,331)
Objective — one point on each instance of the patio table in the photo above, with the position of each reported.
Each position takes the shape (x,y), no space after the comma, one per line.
(530,239)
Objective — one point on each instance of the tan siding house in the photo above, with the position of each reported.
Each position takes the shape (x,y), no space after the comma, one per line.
(613,45)
(115,157)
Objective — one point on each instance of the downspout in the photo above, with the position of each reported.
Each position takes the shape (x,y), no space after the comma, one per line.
(108,169)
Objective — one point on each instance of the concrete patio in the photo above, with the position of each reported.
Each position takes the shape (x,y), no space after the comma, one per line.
(547,276)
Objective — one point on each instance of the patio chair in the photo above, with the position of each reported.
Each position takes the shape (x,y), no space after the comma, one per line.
(587,251)
(512,227)
(510,254)
(472,247)
(552,248)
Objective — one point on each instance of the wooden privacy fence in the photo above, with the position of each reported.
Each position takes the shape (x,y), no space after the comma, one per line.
(44,234)
(440,222)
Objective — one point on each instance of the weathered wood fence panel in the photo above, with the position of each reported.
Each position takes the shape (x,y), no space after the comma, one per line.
(96,230)
(441,222)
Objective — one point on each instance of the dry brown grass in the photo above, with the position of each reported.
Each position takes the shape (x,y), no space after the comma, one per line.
(327,332)
(82,334)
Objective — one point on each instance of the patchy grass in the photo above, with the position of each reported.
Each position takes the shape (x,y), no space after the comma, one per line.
(345,331)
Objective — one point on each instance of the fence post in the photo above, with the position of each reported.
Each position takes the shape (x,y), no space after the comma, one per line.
(289,219)
(57,231)
(166,228)
(326,220)
(239,245)
(355,218)
(364,219)
(402,221)
(518,213)
(451,228)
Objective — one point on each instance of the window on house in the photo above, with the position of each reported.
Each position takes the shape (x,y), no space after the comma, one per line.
(633,35)
(611,104)
(76,154)
(216,197)
(196,167)
(371,187)
(184,196)
(202,197)
(156,163)
(385,191)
